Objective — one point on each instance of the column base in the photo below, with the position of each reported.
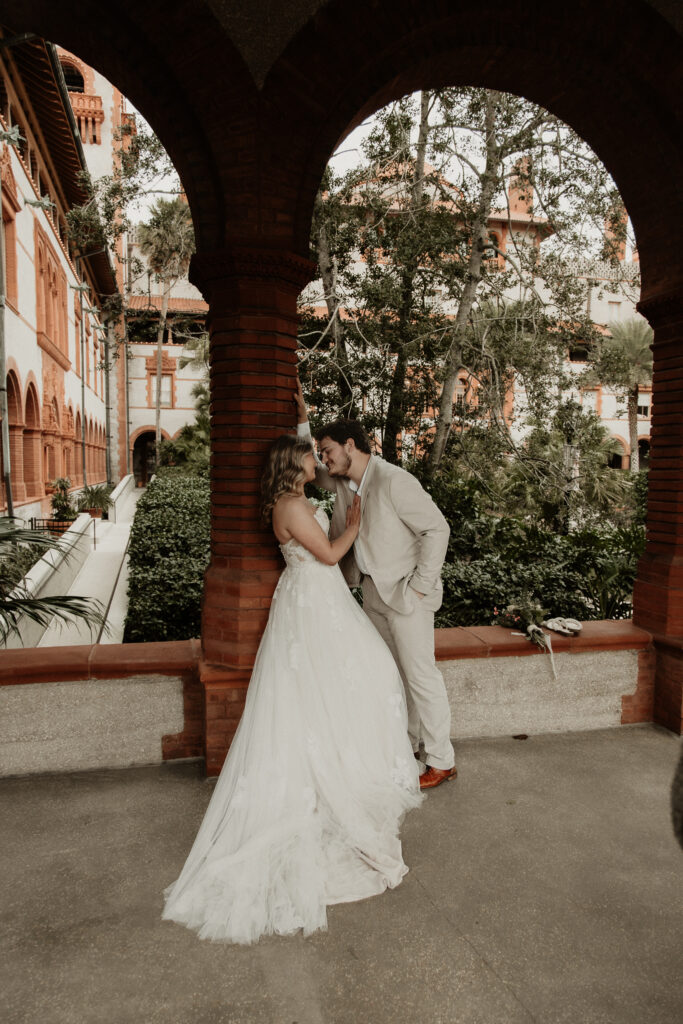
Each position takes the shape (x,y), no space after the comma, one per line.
(225,692)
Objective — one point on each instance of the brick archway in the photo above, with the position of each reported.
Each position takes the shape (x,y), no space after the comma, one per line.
(250,136)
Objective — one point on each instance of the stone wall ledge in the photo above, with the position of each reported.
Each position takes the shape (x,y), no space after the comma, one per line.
(173,658)
(461,643)
(98,661)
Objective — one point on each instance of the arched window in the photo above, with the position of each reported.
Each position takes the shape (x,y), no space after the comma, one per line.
(72,77)
(32,442)
(16,437)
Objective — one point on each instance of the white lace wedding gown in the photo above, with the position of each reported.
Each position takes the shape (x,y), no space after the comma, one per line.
(307,808)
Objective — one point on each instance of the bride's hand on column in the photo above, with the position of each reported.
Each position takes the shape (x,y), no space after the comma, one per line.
(300,403)
(353,515)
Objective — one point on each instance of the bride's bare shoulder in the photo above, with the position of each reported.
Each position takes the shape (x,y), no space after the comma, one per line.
(287,509)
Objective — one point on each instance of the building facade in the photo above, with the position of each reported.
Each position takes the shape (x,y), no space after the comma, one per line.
(76,407)
(54,339)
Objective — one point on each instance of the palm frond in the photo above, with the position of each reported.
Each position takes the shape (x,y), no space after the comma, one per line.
(42,610)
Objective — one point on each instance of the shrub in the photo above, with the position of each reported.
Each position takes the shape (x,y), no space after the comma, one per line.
(587,574)
(169,553)
(62,506)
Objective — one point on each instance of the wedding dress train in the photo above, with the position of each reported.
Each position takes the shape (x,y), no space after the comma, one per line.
(307,808)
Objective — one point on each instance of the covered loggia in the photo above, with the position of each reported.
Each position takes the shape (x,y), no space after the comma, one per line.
(251,100)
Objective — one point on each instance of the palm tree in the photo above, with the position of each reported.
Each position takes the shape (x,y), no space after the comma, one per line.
(16,603)
(624,362)
(167,242)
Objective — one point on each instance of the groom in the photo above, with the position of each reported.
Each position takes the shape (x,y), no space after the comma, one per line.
(397,557)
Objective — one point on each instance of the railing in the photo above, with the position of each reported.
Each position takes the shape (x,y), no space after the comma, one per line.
(53,526)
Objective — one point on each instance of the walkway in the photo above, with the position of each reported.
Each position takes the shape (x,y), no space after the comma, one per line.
(103,576)
(545,886)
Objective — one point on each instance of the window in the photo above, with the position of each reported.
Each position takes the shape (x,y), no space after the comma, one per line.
(590,400)
(614,310)
(166,390)
(51,290)
(73,78)
(644,406)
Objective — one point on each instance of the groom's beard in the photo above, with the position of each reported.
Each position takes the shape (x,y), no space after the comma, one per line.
(340,468)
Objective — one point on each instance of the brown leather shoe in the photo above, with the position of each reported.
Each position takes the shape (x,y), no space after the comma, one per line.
(435,776)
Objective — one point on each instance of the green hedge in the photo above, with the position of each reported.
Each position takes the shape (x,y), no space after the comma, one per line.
(586,575)
(168,553)
(491,561)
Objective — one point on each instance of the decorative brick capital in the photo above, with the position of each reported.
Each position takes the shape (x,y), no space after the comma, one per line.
(9,185)
(663,307)
(209,269)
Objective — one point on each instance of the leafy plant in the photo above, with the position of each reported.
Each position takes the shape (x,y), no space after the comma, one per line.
(169,553)
(62,505)
(95,496)
(19,550)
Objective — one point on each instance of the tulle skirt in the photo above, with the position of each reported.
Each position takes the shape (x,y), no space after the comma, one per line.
(308,805)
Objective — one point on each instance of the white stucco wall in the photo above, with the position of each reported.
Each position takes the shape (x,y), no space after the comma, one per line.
(22,347)
(504,696)
(98,723)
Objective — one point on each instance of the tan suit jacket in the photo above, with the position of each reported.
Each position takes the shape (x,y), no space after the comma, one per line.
(403,536)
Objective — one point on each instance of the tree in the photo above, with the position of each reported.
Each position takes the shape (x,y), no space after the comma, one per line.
(563,478)
(422,294)
(622,360)
(142,168)
(191,449)
(167,242)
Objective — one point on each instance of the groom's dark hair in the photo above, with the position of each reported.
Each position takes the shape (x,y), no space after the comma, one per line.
(341,430)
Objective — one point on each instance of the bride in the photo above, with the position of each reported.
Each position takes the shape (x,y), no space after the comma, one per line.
(307,808)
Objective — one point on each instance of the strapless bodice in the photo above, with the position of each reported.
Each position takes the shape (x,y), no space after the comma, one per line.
(295,554)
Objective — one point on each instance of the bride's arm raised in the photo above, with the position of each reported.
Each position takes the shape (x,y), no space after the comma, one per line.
(295,519)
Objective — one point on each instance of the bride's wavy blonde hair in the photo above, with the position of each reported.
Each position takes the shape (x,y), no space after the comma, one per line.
(283,472)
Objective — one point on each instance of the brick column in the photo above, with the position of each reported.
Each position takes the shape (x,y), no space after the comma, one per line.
(16,449)
(658,593)
(32,463)
(252,296)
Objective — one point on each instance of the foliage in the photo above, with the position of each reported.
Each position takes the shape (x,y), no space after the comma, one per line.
(562,476)
(142,166)
(419,295)
(493,559)
(623,361)
(167,239)
(169,553)
(95,496)
(167,242)
(62,505)
(20,549)
(16,558)
(191,449)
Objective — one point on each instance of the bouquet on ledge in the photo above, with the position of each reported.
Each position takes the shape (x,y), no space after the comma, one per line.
(525,614)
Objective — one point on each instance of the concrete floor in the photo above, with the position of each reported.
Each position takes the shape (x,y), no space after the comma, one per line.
(545,885)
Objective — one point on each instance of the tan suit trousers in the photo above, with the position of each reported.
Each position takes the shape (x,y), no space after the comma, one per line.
(410,638)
